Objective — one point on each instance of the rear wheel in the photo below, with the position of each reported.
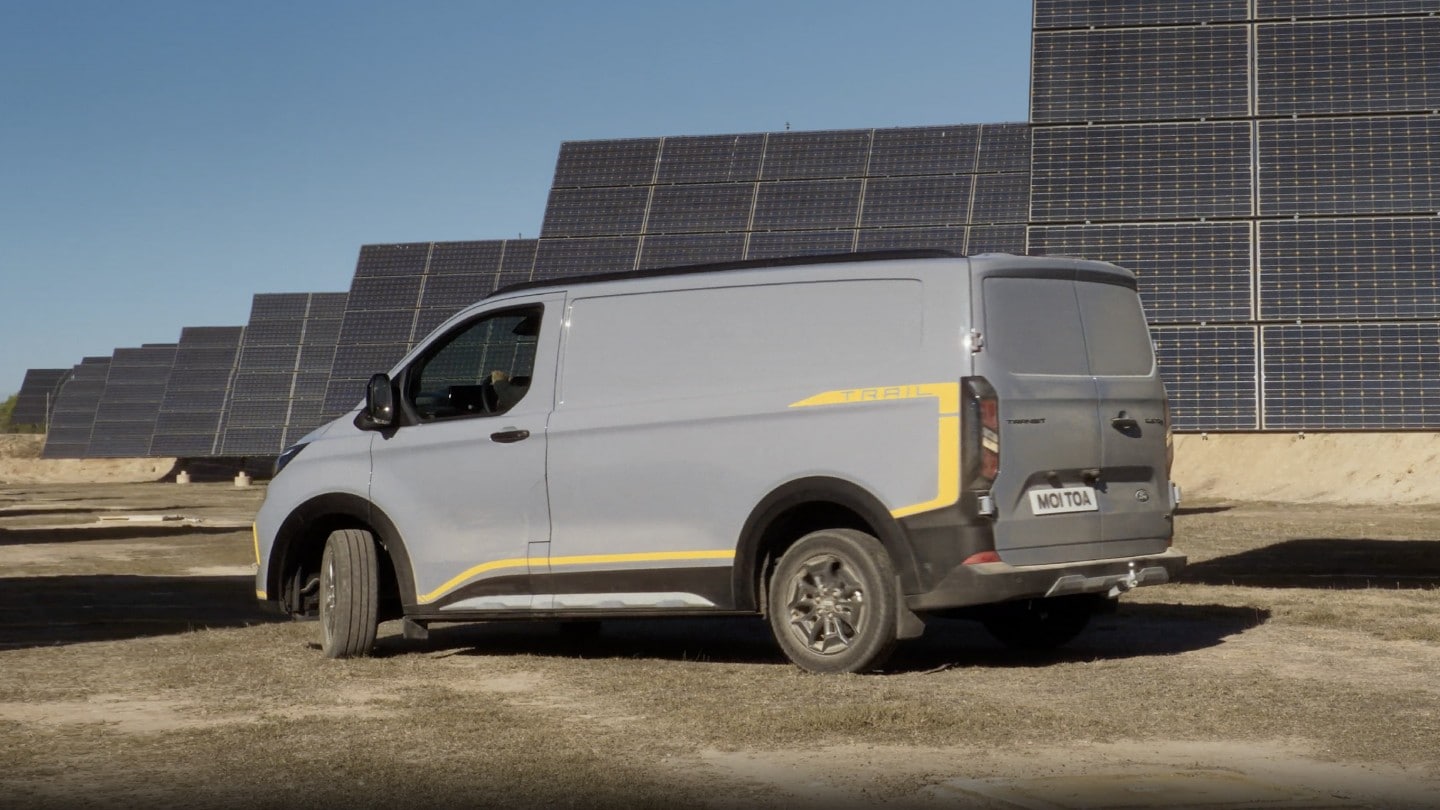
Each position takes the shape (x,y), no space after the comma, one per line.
(1040,624)
(349,594)
(833,602)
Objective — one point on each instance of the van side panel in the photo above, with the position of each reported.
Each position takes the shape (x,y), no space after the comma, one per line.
(678,411)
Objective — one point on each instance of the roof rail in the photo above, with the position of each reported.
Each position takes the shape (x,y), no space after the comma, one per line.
(747,264)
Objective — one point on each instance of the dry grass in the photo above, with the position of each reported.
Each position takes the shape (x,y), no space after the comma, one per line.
(1312,634)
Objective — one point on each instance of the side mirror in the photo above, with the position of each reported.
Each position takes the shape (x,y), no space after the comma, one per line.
(379,412)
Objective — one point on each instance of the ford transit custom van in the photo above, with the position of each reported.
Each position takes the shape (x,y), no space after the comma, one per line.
(845,445)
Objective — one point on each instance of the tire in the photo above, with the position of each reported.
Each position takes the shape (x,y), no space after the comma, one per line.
(1040,624)
(833,601)
(349,594)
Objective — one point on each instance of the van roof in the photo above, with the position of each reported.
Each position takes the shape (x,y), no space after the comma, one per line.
(748,264)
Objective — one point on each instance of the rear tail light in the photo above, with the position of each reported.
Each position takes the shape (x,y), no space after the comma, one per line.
(980,433)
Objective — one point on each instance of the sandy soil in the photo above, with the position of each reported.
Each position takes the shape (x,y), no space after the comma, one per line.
(20,463)
(1353,468)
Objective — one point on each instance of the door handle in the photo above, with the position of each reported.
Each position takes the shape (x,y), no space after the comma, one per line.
(1125,424)
(510,436)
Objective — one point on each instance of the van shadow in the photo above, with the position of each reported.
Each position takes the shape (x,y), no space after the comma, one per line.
(1136,631)
(51,611)
(1202,510)
(120,530)
(1326,562)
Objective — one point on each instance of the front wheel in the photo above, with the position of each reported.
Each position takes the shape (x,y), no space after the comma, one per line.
(833,602)
(349,594)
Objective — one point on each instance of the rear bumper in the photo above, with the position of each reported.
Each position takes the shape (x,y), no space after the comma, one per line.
(986,583)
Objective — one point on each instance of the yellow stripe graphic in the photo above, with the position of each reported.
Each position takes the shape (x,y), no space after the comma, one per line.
(947,484)
(727,555)
(255,538)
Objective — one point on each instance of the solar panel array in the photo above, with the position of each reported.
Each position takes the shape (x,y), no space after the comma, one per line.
(1271,169)
(1268,167)
(37,396)
(655,202)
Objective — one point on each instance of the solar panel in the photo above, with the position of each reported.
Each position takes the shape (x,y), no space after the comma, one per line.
(595,211)
(1350,269)
(1347,166)
(951,238)
(1352,376)
(951,150)
(1140,74)
(1004,148)
(768,195)
(778,244)
(74,415)
(707,208)
(1187,272)
(1210,374)
(279,353)
(919,200)
(807,204)
(1349,66)
(189,414)
(1289,9)
(683,249)
(456,291)
(36,398)
(815,155)
(607,163)
(555,258)
(710,159)
(1106,13)
(995,239)
(1001,198)
(1140,172)
(130,401)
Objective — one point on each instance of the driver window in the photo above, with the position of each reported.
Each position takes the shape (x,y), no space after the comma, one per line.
(482,369)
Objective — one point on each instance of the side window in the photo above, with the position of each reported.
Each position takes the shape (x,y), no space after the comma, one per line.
(482,368)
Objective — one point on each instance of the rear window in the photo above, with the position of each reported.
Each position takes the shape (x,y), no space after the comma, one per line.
(1033,326)
(1116,336)
(1055,326)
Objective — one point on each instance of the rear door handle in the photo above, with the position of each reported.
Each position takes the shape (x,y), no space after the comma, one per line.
(510,436)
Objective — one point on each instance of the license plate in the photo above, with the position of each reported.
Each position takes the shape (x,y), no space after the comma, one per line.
(1060,500)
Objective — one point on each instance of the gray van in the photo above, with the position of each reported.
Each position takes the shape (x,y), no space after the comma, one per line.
(842,444)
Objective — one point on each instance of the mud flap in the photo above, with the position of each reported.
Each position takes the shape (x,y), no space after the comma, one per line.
(907,624)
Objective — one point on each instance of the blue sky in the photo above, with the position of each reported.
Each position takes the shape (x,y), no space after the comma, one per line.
(161,161)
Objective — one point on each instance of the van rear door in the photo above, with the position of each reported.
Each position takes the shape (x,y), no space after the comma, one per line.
(1082,434)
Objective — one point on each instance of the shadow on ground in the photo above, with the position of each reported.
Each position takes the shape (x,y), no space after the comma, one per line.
(119,530)
(1135,631)
(1333,563)
(49,611)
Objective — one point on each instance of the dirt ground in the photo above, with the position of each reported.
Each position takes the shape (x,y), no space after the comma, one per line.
(1294,665)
